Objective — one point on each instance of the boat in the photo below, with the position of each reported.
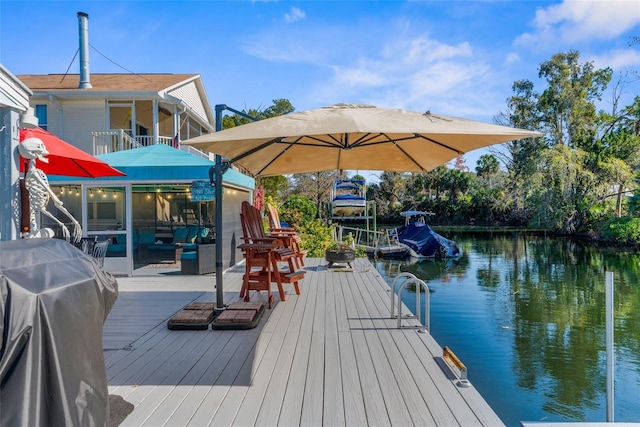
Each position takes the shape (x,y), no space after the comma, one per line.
(418,240)
(348,198)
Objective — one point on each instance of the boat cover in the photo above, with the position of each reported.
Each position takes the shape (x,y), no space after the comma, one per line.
(426,242)
(54,300)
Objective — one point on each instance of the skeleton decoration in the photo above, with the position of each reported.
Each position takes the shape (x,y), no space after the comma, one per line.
(39,193)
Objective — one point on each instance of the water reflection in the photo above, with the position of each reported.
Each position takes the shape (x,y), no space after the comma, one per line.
(527,316)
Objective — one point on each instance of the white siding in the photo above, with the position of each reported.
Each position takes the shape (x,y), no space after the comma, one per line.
(13,93)
(80,119)
(190,95)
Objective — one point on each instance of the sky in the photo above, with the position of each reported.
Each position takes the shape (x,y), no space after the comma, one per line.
(455,58)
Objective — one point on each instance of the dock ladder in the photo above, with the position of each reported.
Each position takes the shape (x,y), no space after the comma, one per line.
(408,280)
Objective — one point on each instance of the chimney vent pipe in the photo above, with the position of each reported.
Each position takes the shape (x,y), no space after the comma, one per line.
(85,77)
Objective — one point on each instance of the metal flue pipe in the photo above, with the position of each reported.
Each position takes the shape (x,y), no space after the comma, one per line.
(83,24)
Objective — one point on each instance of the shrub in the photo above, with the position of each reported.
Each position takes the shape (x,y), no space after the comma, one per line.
(297,210)
(316,237)
(625,229)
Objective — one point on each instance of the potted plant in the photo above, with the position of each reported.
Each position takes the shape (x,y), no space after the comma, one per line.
(341,252)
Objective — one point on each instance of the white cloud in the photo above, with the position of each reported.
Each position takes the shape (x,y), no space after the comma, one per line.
(573,21)
(294,15)
(619,59)
(412,71)
(512,58)
(417,74)
(274,47)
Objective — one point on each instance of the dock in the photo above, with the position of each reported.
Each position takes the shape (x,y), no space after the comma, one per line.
(331,356)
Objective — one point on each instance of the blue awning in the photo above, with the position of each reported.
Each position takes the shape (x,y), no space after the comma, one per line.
(162,163)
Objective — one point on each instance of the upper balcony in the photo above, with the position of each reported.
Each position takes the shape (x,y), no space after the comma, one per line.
(114,140)
(135,124)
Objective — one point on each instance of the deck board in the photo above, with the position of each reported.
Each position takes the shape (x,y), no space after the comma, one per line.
(291,406)
(270,409)
(331,356)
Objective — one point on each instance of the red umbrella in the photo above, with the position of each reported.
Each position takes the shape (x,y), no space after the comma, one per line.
(65,159)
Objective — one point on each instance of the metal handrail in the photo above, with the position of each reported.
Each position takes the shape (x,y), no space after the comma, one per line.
(427,303)
(361,236)
(403,275)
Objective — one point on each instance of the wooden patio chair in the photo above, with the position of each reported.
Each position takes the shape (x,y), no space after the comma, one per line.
(289,235)
(264,253)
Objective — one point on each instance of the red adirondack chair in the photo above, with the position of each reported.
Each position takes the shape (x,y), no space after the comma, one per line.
(290,236)
(262,257)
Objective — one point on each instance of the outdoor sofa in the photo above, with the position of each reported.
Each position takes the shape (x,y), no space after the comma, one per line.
(184,240)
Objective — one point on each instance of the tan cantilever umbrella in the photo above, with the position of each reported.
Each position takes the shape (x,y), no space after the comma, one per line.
(345,137)
(353,137)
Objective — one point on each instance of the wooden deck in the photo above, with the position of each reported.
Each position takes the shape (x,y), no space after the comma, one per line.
(330,356)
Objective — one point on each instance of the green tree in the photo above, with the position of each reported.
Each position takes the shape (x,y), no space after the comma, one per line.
(487,166)
(457,183)
(391,194)
(520,156)
(570,188)
(566,106)
(278,108)
(274,187)
(315,186)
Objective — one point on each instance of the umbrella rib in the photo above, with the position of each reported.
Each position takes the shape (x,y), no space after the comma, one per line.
(441,144)
(275,158)
(408,156)
(85,170)
(334,142)
(253,150)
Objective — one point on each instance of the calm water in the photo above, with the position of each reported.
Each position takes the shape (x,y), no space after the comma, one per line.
(526,316)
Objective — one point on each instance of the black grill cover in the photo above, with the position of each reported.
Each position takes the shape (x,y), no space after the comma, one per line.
(54,300)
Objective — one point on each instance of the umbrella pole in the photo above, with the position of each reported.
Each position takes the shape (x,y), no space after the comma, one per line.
(25,207)
(218,221)
(219,170)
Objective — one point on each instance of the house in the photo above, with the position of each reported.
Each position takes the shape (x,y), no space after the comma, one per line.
(121,111)
(131,113)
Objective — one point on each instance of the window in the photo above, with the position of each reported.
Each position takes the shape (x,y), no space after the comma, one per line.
(106,210)
(41,114)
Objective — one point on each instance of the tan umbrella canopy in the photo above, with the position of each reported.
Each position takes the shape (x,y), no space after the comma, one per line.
(353,137)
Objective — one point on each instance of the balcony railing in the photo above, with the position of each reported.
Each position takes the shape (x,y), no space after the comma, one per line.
(111,141)
(114,140)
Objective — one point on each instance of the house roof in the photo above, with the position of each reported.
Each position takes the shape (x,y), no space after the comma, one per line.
(161,163)
(105,82)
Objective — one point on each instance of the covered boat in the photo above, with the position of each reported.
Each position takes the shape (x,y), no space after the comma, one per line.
(420,240)
(348,198)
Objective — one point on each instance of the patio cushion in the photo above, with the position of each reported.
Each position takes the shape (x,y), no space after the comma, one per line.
(180,235)
(202,233)
(192,234)
(188,255)
(188,247)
